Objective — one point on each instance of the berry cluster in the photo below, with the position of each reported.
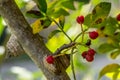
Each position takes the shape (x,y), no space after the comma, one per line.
(89,55)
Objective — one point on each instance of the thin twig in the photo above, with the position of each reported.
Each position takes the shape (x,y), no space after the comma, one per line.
(65,46)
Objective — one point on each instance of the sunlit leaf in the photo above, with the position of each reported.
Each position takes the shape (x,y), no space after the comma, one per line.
(55,42)
(34,14)
(53,33)
(115,54)
(42,5)
(94,2)
(108,69)
(60,12)
(113,75)
(104,48)
(62,21)
(20,3)
(68,4)
(98,15)
(37,27)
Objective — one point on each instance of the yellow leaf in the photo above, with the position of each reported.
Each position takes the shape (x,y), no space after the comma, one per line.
(37,27)
(53,23)
(110,75)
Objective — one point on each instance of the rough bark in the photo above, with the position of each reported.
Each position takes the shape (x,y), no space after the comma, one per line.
(13,47)
(32,44)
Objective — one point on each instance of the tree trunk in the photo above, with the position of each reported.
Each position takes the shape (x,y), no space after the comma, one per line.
(31,43)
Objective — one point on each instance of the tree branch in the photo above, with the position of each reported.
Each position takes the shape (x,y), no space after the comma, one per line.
(32,44)
(13,47)
(65,46)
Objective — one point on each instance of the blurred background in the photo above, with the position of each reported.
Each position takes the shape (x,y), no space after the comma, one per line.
(23,68)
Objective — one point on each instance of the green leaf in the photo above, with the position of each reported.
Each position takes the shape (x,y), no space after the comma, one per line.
(53,33)
(114,54)
(98,15)
(34,14)
(117,36)
(88,20)
(20,3)
(105,47)
(42,5)
(68,4)
(108,69)
(62,21)
(110,26)
(109,30)
(60,12)
(52,7)
(46,23)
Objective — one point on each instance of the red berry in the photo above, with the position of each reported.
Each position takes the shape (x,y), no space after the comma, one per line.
(80,19)
(84,54)
(50,59)
(118,17)
(89,58)
(93,34)
(91,52)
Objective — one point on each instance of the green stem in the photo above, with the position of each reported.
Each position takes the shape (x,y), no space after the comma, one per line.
(72,64)
(60,28)
(82,33)
(79,35)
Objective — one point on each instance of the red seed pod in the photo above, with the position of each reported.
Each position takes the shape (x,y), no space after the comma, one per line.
(118,17)
(89,58)
(91,52)
(93,34)
(80,19)
(84,54)
(50,59)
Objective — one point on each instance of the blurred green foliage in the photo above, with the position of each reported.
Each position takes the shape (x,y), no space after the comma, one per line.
(1,27)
